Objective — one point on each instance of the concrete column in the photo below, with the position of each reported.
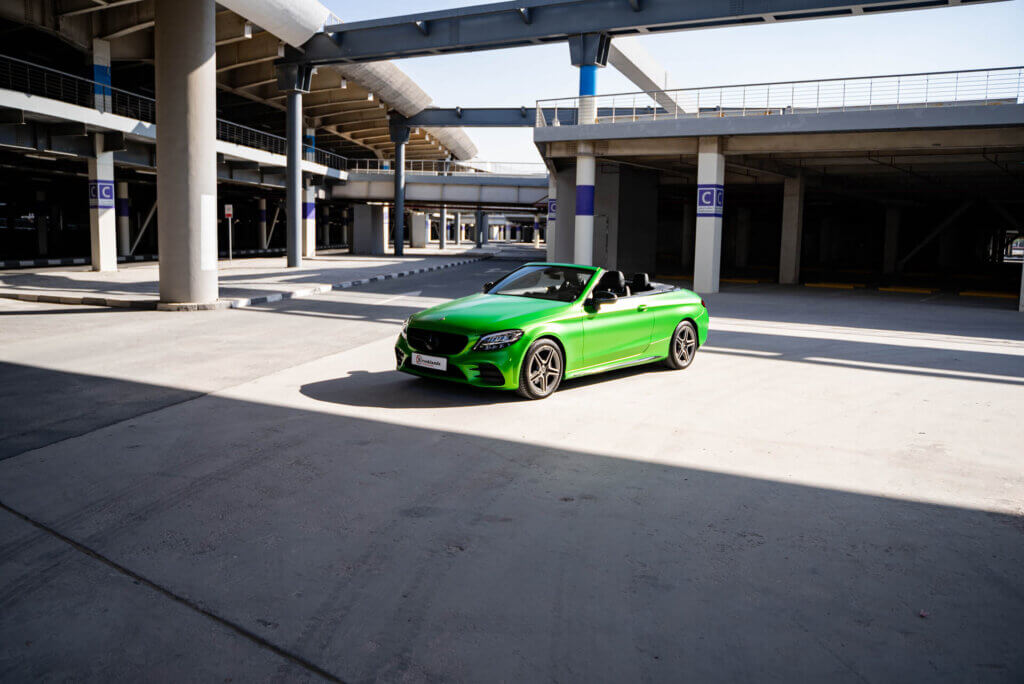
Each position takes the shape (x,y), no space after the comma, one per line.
(102,219)
(442,227)
(309,140)
(481,228)
(458,228)
(309,222)
(101,73)
(369,229)
(890,249)
(536,231)
(293,180)
(710,204)
(42,223)
(1020,300)
(186,186)
(123,207)
(261,204)
(549,228)
(586,173)
(792,230)
(689,235)
(742,237)
(419,229)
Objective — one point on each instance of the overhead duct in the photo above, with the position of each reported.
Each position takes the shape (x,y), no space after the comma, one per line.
(401,92)
(293,21)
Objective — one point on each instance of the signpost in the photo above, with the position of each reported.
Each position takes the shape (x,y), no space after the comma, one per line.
(229,213)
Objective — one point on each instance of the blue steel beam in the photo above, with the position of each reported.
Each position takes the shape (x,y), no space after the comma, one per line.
(535,22)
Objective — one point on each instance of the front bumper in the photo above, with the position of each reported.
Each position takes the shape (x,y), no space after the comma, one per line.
(495,369)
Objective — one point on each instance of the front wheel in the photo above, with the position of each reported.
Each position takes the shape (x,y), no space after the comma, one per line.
(541,373)
(683,346)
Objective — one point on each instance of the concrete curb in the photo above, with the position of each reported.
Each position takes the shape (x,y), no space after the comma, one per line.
(233,303)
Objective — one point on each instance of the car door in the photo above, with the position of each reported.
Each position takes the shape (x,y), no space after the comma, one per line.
(617,332)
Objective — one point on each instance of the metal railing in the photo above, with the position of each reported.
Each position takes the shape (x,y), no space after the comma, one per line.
(22,76)
(448,168)
(907,91)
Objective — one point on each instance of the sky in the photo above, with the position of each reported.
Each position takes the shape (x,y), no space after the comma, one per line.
(978,36)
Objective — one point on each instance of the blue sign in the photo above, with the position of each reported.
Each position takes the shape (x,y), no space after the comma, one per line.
(710,200)
(101,194)
(552,207)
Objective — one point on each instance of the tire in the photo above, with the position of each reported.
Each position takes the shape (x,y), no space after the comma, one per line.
(542,370)
(683,346)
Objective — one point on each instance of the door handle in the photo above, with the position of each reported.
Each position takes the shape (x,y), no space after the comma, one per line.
(642,307)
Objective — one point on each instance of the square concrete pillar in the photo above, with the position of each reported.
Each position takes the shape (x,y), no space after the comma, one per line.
(370,229)
(890,250)
(419,229)
(42,223)
(309,222)
(792,230)
(689,235)
(742,237)
(102,218)
(707,263)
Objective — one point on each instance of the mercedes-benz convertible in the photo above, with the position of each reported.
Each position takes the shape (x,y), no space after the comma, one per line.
(546,322)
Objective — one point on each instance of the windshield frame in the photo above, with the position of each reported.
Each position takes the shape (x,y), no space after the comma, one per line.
(592,273)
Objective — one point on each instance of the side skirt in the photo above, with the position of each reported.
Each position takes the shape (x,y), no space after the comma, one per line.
(613,366)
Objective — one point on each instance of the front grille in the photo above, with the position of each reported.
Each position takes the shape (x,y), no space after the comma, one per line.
(489,374)
(436,342)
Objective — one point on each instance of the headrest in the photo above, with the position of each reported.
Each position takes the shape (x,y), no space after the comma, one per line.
(641,282)
(612,281)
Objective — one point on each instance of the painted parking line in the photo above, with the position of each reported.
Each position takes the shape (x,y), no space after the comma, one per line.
(911,290)
(982,293)
(835,286)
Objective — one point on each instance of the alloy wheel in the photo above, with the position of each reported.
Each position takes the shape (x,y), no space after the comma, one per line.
(545,369)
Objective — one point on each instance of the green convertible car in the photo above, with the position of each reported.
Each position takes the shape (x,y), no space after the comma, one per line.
(546,322)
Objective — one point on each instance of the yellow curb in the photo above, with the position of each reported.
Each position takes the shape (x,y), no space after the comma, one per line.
(835,286)
(915,290)
(979,293)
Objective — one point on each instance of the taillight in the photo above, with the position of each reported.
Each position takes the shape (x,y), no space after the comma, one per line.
(703,304)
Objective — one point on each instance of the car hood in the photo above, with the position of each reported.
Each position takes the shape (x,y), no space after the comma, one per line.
(487,313)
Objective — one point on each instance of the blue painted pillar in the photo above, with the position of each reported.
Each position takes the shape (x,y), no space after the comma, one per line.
(586,171)
(101,74)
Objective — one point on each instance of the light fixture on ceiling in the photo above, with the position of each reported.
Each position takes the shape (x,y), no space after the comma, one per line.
(369,97)
(344,83)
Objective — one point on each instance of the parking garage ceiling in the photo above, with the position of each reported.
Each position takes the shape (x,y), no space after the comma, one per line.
(348,105)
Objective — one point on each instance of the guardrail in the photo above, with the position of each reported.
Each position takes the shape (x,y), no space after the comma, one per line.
(906,91)
(448,168)
(17,74)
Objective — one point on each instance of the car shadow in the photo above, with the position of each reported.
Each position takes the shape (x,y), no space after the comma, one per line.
(394,390)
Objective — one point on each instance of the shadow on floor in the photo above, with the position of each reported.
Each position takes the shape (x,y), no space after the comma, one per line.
(378,550)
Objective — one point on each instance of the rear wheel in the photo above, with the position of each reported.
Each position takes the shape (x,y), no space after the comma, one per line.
(683,346)
(541,373)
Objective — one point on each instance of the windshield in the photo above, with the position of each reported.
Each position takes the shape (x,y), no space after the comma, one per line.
(558,283)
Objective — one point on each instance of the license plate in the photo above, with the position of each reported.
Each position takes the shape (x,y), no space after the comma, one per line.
(435,362)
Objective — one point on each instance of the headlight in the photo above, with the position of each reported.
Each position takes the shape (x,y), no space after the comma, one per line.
(405,326)
(497,340)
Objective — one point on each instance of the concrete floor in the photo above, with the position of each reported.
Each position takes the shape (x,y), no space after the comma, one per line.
(834,491)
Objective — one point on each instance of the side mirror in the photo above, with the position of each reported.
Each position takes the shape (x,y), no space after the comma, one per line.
(488,286)
(602,297)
